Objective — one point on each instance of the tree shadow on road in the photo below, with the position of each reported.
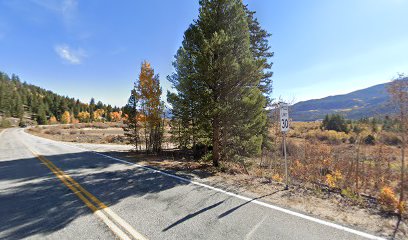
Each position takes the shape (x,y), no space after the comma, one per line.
(35,202)
(245,203)
(191,215)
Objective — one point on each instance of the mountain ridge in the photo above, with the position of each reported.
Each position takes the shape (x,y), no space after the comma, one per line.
(367,102)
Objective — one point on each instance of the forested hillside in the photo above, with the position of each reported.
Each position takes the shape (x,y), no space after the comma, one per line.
(25,101)
(373,101)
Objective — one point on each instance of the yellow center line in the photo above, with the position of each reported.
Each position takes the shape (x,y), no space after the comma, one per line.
(101,210)
(101,205)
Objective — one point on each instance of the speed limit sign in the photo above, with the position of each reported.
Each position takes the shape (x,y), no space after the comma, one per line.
(284,117)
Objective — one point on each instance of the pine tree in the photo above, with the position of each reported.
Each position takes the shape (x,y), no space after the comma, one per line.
(41,116)
(228,83)
(131,125)
(92,107)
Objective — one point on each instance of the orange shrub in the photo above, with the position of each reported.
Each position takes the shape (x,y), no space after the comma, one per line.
(276,177)
(388,200)
(53,120)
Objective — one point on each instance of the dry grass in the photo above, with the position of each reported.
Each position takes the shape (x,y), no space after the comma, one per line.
(82,132)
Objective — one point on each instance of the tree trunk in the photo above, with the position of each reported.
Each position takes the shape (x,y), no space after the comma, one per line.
(357,166)
(216,142)
(402,166)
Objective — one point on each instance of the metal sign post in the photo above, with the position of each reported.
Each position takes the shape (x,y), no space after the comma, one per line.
(284,122)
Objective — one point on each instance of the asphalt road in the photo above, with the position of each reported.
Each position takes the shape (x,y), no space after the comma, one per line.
(53,190)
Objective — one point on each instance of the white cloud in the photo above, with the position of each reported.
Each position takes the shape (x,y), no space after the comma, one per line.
(69,55)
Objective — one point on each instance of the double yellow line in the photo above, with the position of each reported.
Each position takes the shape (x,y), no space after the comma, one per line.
(110,218)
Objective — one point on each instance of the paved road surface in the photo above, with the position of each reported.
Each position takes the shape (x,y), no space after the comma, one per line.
(53,190)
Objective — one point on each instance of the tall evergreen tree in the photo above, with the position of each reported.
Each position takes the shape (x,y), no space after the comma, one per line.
(41,115)
(227,79)
(131,125)
(92,108)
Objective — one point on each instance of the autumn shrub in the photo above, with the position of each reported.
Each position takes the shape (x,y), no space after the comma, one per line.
(277,177)
(332,179)
(388,199)
(330,136)
(312,134)
(74,120)
(52,120)
(308,166)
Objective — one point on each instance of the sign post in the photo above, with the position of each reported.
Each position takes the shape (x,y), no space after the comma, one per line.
(284,122)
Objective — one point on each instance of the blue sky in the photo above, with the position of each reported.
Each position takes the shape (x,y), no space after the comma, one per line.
(94,48)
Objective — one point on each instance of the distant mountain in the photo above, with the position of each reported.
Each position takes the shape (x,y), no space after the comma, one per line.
(368,102)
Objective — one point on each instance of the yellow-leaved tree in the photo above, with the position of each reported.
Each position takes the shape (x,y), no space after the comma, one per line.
(98,115)
(66,117)
(144,111)
(84,117)
(151,107)
(116,116)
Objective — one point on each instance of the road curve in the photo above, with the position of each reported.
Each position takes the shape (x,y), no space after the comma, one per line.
(42,181)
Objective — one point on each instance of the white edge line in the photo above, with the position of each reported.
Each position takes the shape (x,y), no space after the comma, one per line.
(287,211)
